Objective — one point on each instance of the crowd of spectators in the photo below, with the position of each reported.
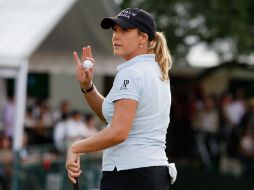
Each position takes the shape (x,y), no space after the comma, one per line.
(43,127)
(215,129)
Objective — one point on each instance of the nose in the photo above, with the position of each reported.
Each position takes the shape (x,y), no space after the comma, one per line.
(114,36)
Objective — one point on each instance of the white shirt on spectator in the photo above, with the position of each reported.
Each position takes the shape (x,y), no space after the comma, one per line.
(68,132)
(235,112)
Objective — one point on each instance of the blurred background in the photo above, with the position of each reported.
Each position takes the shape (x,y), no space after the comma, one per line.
(42,111)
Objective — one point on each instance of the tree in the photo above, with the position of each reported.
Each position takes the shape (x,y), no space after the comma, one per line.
(226,26)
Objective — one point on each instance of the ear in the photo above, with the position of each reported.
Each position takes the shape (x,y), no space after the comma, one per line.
(143,37)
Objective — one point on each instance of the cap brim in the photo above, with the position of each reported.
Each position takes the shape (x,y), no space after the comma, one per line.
(109,22)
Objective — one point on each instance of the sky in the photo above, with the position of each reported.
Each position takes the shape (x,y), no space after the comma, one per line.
(201,56)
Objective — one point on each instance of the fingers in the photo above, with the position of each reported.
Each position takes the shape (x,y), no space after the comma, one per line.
(76,58)
(84,75)
(73,180)
(89,52)
(73,171)
(73,175)
(73,167)
(84,54)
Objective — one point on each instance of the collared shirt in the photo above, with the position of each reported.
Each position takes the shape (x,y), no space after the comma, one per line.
(140,79)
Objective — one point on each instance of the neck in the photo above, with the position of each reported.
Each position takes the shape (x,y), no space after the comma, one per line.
(140,51)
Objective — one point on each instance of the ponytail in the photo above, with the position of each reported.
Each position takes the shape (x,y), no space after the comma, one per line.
(162,55)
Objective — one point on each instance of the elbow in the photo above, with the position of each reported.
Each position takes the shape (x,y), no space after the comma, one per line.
(119,136)
(122,138)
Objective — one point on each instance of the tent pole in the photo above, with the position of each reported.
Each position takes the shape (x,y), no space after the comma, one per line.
(20,102)
(20,94)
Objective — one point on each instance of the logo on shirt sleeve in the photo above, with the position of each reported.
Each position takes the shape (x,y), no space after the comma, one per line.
(124,85)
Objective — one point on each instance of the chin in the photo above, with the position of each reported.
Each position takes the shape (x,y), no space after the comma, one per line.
(117,53)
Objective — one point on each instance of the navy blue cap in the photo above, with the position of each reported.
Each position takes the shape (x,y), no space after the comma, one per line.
(132,18)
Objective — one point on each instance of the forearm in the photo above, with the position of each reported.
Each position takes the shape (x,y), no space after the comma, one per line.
(95,100)
(106,138)
(116,133)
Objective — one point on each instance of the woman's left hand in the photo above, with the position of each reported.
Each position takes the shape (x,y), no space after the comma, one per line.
(73,165)
(84,75)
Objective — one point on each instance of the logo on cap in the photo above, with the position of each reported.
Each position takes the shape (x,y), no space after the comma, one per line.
(126,14)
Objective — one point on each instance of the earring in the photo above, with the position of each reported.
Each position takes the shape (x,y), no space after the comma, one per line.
(140,46)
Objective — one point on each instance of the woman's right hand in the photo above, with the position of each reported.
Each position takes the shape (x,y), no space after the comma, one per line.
(73,165)
(84,76)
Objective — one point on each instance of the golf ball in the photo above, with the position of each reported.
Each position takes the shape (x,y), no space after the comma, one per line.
(87,64)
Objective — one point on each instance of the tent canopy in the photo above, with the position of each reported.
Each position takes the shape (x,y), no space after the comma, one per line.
(25,24)
(32,27)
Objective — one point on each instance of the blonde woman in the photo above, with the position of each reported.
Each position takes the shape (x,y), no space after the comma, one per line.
(136,109)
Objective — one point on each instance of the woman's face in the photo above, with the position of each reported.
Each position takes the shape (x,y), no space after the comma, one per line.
(126,42)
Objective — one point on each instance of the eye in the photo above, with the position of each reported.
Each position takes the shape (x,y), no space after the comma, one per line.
(124,30)
(113,29)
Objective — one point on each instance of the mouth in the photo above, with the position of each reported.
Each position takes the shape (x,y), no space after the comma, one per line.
(115,45)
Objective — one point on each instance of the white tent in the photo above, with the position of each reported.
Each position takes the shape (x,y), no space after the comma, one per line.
(25,24)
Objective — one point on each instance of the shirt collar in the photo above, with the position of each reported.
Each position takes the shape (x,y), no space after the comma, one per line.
(139,58)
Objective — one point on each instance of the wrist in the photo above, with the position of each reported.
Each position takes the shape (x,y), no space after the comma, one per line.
(86,85)
(72,149)
(86,90)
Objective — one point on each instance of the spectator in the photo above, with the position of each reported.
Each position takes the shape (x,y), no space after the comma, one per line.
(235,109)
(69,131)
(226,122)
(62,112)
(247,150)
(29,120)
(44,124)
(246,144)
(248,117)
(207,124)
(59,134)
(6,160)
(8,117)
(234,112)
(90,124)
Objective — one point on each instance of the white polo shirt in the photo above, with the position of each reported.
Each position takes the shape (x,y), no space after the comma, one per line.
(140,79)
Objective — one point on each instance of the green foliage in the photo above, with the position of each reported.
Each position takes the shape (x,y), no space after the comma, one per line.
(213,22)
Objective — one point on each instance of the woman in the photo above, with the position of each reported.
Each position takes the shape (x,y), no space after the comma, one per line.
(136,109)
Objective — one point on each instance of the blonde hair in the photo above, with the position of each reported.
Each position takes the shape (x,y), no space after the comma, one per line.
(159,47)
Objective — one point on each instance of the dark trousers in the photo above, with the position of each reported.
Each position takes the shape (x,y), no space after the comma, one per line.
(147,178)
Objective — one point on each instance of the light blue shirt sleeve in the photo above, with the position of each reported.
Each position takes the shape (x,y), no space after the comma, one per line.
(127,85)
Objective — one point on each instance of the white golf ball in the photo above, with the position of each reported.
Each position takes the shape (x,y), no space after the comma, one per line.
(87,64)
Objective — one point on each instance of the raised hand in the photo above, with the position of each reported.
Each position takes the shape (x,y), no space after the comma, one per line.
(84,76)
